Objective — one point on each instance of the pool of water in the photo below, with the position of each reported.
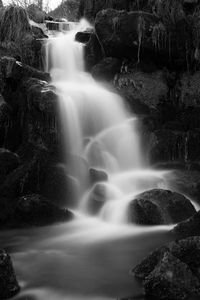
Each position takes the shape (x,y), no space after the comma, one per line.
(82,260)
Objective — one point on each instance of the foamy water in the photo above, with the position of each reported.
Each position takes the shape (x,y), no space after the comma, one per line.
(91,257)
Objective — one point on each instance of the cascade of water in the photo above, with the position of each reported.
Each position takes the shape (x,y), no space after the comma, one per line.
(97,127)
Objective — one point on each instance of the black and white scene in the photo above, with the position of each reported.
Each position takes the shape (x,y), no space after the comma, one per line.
(100,149)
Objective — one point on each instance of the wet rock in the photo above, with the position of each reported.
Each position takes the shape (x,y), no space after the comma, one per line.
(106,69)
(28,176)
(9,286)
(172,145)
(156,207)
(42,96)
(8,162)
(142,89)
(35,210)
(89,8)
(6,210)
(8,131)
(41,122)
(97,175)
(15,70)
(38,32)
(186,180)
(189,89)
(189,227)
(118,32)
(93,52)
(59,187)
(171,279)
(83,36)
(172,271)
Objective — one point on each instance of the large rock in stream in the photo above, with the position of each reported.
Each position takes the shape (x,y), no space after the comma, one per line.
(118,32)
(172,271)
(9,286)
(189,227)
(35,210)
(157,207)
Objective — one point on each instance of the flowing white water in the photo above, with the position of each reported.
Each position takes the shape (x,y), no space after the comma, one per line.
(90,257)
(99,129)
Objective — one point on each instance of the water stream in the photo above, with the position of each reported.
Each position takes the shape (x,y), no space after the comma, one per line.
(89,258)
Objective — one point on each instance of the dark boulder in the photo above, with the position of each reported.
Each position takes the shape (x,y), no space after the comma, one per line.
(97,175)
(11,69)
(172,145)
(7,207)
(38,33)
(142,90)
(93,52)
(188,88)
(35,210)
(90,8)
(189,227)
(106,69)
(8,162)
(41,107)
(156,207)
(186,180)
(118,32)
(83,36)
(29,175)
(59,187)
(171,279)
(172,271)
(9,286)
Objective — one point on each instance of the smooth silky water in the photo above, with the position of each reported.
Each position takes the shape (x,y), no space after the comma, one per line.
(90,257)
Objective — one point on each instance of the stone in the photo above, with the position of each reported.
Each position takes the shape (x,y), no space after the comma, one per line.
(172,271)
(171,279)
(28,176)
(97,175)
(117,32)
(8,162)
(142,89)
(42,111)
(83,36)
(93,52)
(90,8)
(35,210)
(15,70)
(189,227)
(157,207)
(173,145)
(59,187)
(189,89)
(106,69)
(186,180)
(9,286)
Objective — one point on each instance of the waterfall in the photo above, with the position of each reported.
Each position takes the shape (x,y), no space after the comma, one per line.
(99,130)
